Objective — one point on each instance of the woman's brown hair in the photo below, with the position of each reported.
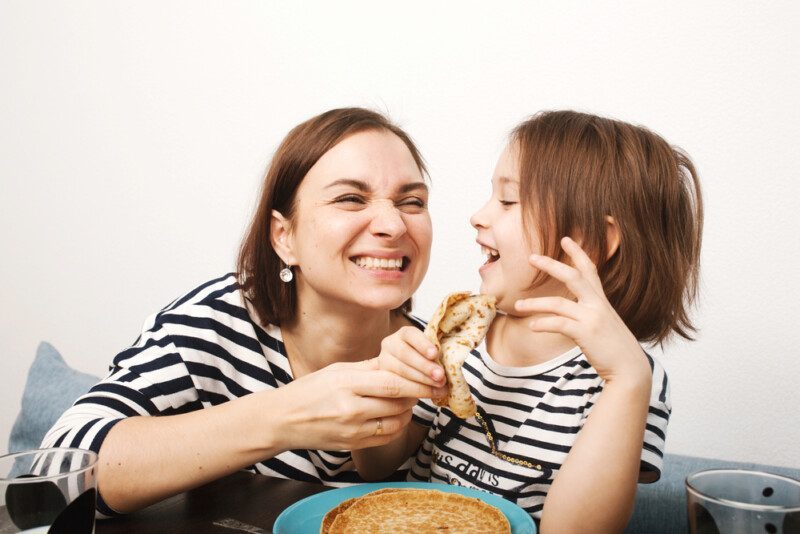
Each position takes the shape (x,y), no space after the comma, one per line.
(575,170)
(258,264)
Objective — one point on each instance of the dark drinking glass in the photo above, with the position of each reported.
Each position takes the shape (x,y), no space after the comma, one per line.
(48,490)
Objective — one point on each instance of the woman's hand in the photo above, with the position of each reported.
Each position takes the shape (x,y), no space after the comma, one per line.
(346,406)
(410,354)
(589,320)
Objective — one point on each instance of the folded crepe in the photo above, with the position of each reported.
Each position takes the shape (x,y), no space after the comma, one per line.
(395,510)
(459,325)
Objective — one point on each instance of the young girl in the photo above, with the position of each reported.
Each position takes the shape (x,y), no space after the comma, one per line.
(592,236)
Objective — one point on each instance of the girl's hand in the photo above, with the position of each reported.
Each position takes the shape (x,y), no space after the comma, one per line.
(590,320)
(346,406)
(410,354)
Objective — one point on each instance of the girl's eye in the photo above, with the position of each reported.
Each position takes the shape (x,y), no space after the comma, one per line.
(508,203)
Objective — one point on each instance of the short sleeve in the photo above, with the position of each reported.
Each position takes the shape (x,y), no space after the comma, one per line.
(655,433)
(149,378)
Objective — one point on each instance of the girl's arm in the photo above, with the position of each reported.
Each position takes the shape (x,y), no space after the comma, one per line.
(144,459)
(596,487)
(377,463)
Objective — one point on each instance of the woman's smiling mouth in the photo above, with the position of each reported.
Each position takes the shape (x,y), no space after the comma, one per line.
(382,264)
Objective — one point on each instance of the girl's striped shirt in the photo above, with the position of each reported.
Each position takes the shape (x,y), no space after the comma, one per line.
(534,415)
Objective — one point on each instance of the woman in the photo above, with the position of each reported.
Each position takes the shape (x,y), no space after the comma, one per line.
(269,369)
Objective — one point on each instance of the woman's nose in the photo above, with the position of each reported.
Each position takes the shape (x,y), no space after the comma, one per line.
(387,221)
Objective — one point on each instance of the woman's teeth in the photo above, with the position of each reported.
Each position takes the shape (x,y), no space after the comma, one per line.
(366,262)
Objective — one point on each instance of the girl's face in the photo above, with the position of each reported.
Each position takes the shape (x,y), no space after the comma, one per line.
(361,233)
(507,274)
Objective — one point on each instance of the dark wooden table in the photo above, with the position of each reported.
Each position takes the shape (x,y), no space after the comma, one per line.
(241,502)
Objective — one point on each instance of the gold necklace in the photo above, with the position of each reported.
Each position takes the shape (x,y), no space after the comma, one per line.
(499,454)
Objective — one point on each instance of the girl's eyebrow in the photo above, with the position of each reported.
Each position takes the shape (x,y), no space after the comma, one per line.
(507,180)
(364,186)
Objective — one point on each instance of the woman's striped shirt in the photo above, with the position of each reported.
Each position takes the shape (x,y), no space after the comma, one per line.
(201,350)
(534,415)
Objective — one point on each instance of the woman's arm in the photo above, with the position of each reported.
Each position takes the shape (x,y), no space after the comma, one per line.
(145,459)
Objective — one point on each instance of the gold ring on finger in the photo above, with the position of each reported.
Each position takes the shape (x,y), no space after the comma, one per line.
(378,426)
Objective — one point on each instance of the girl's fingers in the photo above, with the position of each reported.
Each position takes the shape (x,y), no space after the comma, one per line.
(570,276)
(579,258)
(581,280)
(555,305)
(556,325)
(582,261)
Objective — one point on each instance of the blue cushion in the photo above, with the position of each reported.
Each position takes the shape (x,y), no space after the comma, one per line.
(51,388)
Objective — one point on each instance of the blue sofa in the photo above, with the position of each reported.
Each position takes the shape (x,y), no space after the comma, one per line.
(52,386)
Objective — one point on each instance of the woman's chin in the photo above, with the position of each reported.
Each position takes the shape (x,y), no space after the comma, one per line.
(380,303)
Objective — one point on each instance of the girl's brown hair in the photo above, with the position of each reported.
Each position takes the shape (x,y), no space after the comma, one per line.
(258,264)
(576,169)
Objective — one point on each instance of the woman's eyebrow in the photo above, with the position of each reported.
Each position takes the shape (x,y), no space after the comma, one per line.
(364,186)
(357,184)
(414,186)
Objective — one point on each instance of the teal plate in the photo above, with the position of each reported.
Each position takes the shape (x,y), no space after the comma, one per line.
(305,517)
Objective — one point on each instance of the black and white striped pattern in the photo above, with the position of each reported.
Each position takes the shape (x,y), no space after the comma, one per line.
(535,414)
(203,349)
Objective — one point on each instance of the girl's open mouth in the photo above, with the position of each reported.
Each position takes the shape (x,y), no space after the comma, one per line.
(491,255)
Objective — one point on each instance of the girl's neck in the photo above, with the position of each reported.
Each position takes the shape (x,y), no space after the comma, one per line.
(320,336)
(512,344)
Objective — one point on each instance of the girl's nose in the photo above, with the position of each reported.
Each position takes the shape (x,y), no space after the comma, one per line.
(478,219)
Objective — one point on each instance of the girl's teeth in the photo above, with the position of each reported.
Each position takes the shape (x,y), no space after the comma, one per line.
(489,252)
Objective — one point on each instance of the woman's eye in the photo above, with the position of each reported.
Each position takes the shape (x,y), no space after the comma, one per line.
(349,199)
(508,203)
(413,202)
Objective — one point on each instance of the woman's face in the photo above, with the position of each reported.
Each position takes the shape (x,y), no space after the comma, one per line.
(361,233)
(507,273)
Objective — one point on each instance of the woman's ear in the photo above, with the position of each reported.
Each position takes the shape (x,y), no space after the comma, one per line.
(280,235)
(613,236)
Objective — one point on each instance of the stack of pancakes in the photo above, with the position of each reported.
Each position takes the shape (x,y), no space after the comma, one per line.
(395,510)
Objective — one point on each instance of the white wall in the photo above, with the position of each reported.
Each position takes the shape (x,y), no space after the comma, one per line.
(133,137)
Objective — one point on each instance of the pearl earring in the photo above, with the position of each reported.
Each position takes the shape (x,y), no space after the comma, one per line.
(286,274)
